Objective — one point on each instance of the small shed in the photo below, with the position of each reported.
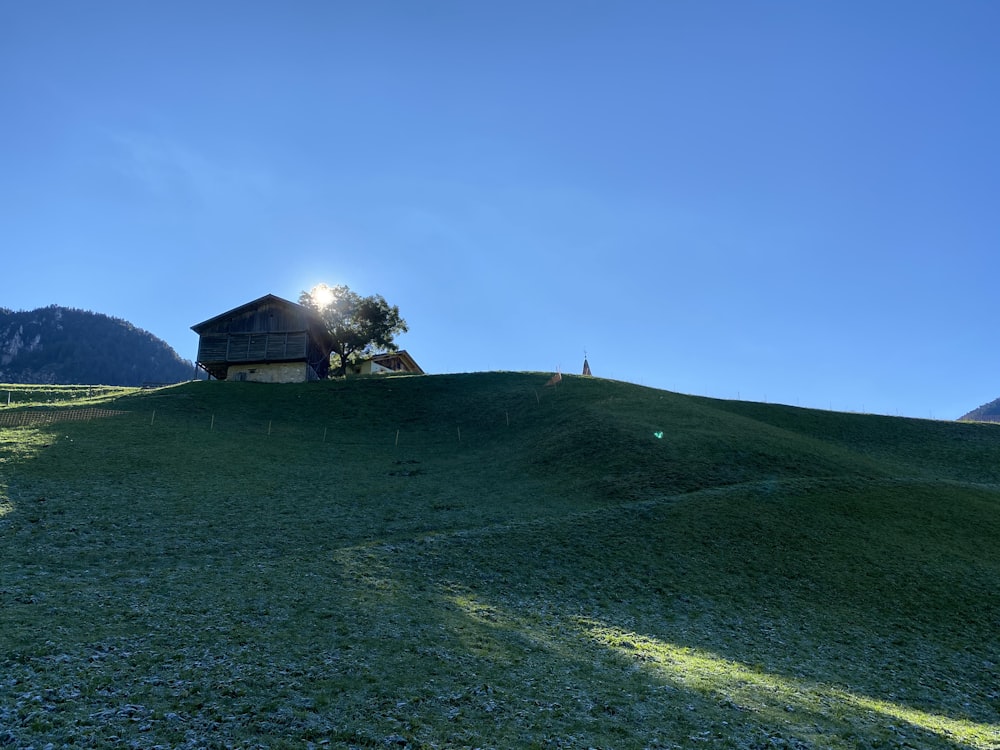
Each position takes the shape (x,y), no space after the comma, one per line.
(387,363)
(269,340)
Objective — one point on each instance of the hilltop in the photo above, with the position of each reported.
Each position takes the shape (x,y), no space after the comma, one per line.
(481,561)
(986,413)
(61,345)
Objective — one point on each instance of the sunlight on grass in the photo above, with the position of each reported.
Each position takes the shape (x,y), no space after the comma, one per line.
(20,396)
(410,562)
(757,691)
(17,446)
(976,735)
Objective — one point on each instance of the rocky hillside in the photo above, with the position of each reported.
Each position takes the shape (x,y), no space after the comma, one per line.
(986,413)
(62,345)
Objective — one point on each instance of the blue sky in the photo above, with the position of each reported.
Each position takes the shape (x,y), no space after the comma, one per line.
(785,201)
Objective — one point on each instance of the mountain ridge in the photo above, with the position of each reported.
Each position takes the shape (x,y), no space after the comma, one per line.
(59,345)
(986,413)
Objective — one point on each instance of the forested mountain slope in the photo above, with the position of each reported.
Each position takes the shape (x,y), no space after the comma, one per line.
(59,345)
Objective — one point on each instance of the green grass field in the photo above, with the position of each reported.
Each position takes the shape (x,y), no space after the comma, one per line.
(482,561)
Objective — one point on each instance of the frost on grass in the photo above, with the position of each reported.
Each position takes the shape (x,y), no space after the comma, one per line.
(166,586)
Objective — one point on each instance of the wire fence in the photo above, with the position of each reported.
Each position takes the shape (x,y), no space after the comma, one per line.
(429,431)
(23,418)
(472,425)
(348,432)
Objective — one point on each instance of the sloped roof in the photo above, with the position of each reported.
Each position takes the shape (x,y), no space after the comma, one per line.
(403,355)
(316,327)
(259,302)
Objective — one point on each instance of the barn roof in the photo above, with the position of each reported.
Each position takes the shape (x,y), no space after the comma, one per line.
(267,299)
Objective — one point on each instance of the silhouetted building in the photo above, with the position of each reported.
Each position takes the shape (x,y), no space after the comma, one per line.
(269,340)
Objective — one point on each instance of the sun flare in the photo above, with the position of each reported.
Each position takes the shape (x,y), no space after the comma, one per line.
(322,295)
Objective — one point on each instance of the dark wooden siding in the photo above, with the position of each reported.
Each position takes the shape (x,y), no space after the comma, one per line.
(264,319)
(267,330)
(253,347)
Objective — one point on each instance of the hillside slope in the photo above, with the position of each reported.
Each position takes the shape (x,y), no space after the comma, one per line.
(986,413)
(59,345)
(478,560)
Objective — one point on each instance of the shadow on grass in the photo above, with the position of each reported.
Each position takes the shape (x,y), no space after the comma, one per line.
(195,576)
(19,445)
(739,704)
(775,696)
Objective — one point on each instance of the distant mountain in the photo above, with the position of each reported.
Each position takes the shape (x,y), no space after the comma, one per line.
(61,345)
(986,413)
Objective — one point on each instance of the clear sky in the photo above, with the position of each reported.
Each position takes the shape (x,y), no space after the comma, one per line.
(786,201)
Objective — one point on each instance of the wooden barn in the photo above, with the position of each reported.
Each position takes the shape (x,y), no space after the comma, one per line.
(269,340)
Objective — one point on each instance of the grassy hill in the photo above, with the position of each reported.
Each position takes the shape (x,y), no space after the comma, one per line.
(481,561)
